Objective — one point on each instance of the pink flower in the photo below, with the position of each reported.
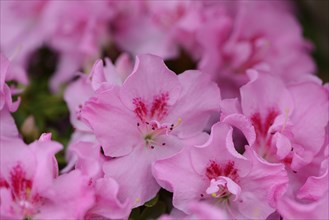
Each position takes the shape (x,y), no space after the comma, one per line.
(78,92)
(307,195)
(154,27)
(5,91)
(29,186)
(20,30)
(199,210)
(107,204)
(8,127)
(289,121)
(151,116)
(253,34)
(243,186)
(76,30)
(80,38)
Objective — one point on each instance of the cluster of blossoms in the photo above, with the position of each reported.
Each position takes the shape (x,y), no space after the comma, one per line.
(245,136)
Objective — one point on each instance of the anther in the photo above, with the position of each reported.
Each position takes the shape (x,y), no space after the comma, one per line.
(163,144)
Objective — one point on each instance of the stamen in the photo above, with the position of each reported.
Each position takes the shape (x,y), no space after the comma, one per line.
(286,114)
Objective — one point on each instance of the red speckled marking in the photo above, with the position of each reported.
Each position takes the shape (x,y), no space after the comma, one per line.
(140,108)
(159,106)
(158,110)
(19,184)
(261,126)
(3,183)
(215,170)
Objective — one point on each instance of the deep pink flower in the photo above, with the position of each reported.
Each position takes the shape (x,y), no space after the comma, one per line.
(244,186)
(151,116)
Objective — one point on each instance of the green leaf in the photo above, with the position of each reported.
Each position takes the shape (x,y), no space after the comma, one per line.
(152,202)
(153,212)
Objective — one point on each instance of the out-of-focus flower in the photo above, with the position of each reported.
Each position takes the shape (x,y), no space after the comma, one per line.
(261,35)
(160,28)
(8,127)
(79,39)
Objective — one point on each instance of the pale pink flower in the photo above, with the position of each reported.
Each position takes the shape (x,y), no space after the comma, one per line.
(21,33)
(5,91)
(78,92)
(242,186)
(289,121)
(151,116)
(30,188)
(8,127)
(76,30)
(307,195)
(154,27)
(253,34)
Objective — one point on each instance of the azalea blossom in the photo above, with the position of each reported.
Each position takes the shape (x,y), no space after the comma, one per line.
(26,27)
(107,204)
(159,28)
(152,117)
(30,186)
(78,92)
(289,121)
(8,127)
(259,35)
(243,186)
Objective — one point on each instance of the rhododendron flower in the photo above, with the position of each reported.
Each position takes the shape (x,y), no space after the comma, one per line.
(5,91)
(89,162)
(78,92)
(307,195)
(8,127)
(151,116)
(244,186)
(20,34)
(30,188)
(289,121)
(26,29)
(253,34)
(158,27)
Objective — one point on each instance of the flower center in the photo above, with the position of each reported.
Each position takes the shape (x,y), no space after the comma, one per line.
(265,132)
(21,192)
(150,117)
(224,180)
